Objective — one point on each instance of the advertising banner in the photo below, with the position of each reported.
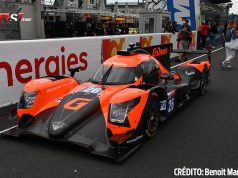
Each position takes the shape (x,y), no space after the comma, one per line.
(22,61)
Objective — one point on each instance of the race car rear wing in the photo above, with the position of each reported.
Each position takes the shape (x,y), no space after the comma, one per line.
(208,52)
(161,52)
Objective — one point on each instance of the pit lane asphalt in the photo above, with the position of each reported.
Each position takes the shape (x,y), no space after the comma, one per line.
(203,134)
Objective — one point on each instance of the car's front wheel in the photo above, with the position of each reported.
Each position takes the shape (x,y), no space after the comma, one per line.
(152,118)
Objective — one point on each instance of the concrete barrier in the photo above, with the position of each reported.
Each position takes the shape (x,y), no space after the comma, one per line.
(22,61)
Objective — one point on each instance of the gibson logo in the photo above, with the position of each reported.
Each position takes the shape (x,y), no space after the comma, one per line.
(135,139)
(159,52)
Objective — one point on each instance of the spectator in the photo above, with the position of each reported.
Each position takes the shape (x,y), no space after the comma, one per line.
(89,31)
(203,32)
(175,25)
(81,27)
(185,37)
(212,35)
(121,29)
(104,29)
(163,29)
(225,27)
(99,30)
(221,30)
(126,29)
(169,28)
(231,33)
(110,29)
(116,30)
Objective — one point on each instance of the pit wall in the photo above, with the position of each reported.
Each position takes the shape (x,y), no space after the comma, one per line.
(22,61)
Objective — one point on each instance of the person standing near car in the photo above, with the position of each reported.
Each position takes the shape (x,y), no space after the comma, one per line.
(231,33)
(203,32)
(168,28)
(212,35)
(185,37)
(175,25)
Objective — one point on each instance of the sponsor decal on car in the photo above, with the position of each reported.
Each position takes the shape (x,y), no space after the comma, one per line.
(171,101)
(189,73)
(92,89)
(57,125)
(115,63)
(163,105)
(135,139)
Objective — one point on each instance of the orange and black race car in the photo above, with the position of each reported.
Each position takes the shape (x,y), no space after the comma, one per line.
(118,109)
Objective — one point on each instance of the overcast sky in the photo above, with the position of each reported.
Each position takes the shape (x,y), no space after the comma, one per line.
(234,9)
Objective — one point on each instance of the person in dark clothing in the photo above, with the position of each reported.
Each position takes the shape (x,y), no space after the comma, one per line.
(116,29)
(81,28)
(185,37)
(126,29)
(225,28)
(212,35)
(168,28)
(99,30)
(89,31)
(121,29)
(110,30)
(175,25)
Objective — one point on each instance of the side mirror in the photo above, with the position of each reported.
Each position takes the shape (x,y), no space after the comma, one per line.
(73,70)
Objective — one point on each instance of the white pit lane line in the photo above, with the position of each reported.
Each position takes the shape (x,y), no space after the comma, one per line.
(8,129)
(171,68)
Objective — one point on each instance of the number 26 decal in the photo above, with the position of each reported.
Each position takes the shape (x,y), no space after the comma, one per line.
(171,105)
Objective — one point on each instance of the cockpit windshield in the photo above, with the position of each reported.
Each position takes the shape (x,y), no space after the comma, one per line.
(115,75)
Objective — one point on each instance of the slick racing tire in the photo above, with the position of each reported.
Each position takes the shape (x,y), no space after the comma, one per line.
(152,117)
(203,82)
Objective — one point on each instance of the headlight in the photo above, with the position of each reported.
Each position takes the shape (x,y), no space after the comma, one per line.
(118,112)
(29,99)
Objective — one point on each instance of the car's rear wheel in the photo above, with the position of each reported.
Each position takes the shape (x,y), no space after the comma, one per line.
(203,82)
(152,118)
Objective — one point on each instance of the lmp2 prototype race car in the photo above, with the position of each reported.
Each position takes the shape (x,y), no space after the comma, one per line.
(118,109)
